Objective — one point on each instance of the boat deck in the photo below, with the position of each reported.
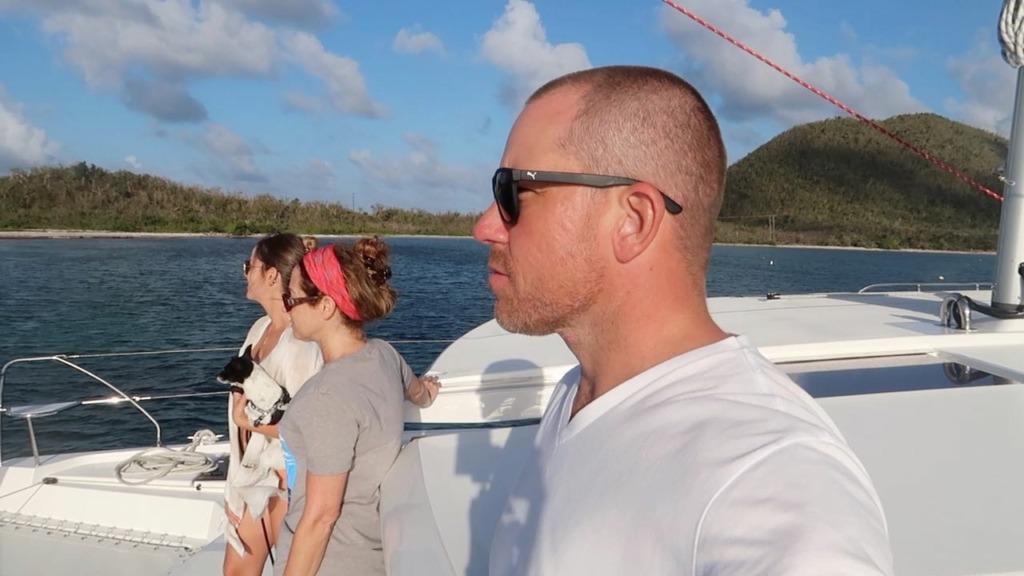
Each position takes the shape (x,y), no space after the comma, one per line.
(483,382)
(71,513)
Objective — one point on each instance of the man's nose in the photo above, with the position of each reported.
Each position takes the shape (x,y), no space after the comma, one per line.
(489,228)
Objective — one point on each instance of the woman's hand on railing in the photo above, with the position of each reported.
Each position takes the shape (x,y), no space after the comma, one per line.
(424,391)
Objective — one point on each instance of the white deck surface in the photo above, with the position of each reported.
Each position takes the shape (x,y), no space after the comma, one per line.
(71,515)
(485,381)
(32,551)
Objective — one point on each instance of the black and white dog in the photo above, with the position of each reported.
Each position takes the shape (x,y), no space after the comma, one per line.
(266,400)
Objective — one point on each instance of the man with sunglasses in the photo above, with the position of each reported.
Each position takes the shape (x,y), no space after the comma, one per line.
(674,447)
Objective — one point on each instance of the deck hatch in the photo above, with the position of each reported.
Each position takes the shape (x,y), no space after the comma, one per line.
(849,377)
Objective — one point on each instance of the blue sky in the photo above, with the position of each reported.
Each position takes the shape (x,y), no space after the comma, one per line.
(408,103)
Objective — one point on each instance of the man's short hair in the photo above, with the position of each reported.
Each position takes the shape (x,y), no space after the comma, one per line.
(651,125)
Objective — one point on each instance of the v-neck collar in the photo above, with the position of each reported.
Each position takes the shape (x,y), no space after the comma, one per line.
(611,399)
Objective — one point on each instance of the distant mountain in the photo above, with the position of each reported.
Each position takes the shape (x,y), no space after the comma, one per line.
(840,182)
(834,182)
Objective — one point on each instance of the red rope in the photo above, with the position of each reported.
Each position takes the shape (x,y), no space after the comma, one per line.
(922,153)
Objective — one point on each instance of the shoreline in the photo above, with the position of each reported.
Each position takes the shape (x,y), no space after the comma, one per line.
(861,248)
(55,234)
(61,234)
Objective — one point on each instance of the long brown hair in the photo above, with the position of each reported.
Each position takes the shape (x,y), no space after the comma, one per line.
(283,252)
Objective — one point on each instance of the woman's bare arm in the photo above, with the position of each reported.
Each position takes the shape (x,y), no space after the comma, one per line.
(324,496)
(423,391)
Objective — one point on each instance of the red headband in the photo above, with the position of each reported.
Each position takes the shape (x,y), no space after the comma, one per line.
(325,271)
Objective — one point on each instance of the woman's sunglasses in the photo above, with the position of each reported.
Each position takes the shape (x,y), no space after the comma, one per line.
(247,265)
(293,301)
(505,185)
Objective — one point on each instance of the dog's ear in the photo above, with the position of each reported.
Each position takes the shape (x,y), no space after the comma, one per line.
(248,352)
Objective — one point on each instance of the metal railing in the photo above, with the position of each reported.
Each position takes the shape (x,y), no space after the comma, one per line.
(925,286)
(30,412)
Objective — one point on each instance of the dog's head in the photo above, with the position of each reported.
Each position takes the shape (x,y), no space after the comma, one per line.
(266,400)
(237,370)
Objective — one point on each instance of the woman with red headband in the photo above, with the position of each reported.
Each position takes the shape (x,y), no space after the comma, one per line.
(343,430)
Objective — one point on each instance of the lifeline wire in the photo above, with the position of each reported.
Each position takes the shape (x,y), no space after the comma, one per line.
(824,95)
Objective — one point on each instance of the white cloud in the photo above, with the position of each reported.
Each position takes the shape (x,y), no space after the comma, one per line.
(320,168)
(167,101)
(171,40)
(21,143)
(133,163)
(298,12)
(232,155)
(745,88)
(315,179)
(345,85)
(416,41)
(150,51)
(517,44)
(128,9)
(295,100)
(428,182)
(989,85)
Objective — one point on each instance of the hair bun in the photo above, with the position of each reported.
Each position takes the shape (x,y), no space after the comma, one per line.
(309,243)
(379,274)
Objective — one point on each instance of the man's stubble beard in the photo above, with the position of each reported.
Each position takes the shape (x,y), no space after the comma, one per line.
(568,290)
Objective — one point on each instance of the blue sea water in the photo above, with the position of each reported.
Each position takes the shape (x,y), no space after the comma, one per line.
(83,296)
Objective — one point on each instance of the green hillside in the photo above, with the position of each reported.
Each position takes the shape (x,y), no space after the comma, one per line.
(838,182)
(86,197)
(835,182)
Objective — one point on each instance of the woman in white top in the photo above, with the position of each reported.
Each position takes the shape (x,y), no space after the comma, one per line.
(252,493)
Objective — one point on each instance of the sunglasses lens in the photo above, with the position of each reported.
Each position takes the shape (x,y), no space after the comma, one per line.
(245,267)
(288,304)
(505,196)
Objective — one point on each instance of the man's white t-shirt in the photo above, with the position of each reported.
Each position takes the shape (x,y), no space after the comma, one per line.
(713,462)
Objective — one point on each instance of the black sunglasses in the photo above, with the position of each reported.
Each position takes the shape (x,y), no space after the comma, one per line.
(293,301)
(505,185)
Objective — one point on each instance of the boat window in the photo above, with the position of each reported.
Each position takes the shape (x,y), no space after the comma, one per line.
(827,378)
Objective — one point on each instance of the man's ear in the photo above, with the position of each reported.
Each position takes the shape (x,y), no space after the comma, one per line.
(639,216)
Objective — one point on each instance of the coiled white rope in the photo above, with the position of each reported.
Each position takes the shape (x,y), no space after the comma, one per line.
(1011,32)
(155,463)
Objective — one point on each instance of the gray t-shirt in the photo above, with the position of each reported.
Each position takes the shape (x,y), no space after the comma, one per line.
(346,418)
